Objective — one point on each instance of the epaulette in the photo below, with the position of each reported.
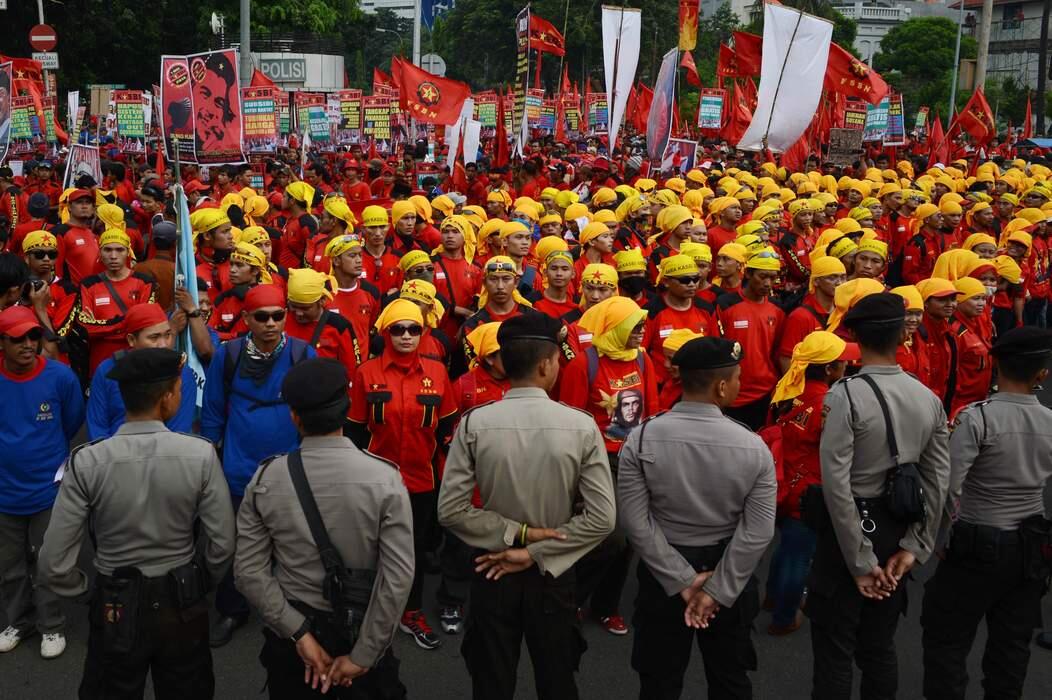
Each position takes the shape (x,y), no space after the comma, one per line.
(266,463)
(195,435)
(382,459)
(576,408)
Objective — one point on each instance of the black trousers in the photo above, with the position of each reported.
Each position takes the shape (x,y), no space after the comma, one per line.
(171,645)
(602,572)
(424,522)
(229,601)
(285,673)
(527,605)
(458,568)
(662,642)
(753,415)
(847,628)
(963,591)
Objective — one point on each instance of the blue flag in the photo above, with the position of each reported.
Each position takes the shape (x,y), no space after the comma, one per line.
(186,277)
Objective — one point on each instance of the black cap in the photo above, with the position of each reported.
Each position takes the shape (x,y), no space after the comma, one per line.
(1026,341)
(164,231)
(314,384)
(153,191)
(38,205)
(147,366)
(85,182)
(529,326)
(707,353)
(884,308)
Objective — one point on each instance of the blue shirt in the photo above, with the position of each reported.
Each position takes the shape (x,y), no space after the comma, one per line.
(106,407)
(40,412)
(249,432)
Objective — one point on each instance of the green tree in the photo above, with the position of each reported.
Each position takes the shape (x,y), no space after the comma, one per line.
(916,59)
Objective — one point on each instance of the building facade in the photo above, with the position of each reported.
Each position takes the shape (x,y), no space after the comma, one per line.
(1015,34)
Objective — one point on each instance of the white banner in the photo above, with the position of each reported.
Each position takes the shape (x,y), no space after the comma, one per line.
(621,28)
(795,50)
(472,137)
(72,103)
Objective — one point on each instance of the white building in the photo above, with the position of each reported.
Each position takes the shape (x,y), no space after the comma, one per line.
(1015,32)
(402,8)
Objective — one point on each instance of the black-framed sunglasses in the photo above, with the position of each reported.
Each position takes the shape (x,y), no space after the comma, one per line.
(692,279)
(413,330)
(41,254)
(35,335)
(264,316)
(428,268)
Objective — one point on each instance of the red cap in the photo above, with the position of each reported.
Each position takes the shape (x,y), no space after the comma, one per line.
(80,194)
(195,186)
(601,163)
(851,353)
(143,316)
(263,295)
(351,163)
(16,321)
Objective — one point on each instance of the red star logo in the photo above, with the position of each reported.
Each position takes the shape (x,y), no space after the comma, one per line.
(428,93)
(859,69)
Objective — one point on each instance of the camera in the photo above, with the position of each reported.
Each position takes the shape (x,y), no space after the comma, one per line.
(33,284)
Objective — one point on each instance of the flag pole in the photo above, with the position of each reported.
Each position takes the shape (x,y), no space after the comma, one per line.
(562,59)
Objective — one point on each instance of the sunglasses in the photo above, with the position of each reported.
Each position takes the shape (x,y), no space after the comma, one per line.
(35,335)
(264,316)
(41,254)
(413,330)
(693,279)
(429,268)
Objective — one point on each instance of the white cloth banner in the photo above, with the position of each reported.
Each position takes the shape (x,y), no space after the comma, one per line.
(72,104)
(795,53)
(472,138)
(621,28)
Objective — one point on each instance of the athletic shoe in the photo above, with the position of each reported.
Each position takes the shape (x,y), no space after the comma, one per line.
(9,639)
(452,619)
(615,624)
(415,624)
(52,646)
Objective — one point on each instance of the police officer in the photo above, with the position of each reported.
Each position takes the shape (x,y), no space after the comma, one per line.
(700,532)
(143,489)
(994,567)
(532,458)
(364,509)
(857,589)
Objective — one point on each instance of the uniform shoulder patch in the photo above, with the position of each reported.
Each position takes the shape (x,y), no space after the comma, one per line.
(579,410)
(195,435)
(381,459)
(266,463)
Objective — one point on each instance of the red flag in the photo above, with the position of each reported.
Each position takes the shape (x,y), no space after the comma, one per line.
(749,93)
(849,76)
(977,118)
(633,102)
(727,63)
(560,120)
(260,80)
(1028,123)
(749,49)
(644,101)
(500,138)
(427,97)
(939,148)
(27,78)
(692,70)
(565,87)
(159,164)
(740,117)
(381,78)
(688,24)
(545,37)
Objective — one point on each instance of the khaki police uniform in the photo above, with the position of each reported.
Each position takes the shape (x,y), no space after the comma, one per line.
(142,491)
(531,459)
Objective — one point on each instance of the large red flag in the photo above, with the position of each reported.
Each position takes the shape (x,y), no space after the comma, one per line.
(500,138)
(692,70)
(977,118)
(939,147)
(381,78)
(260,80)
(849,76)
(727,63)
(688,24)
(545,37)
(565,88)
(427,97)
(749,48)
(1028,123)
(739,120)
(27,78)
(643,103)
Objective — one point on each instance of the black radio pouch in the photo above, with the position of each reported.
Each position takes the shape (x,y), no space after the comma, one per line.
(189,586)
(120,601)
(1036,535)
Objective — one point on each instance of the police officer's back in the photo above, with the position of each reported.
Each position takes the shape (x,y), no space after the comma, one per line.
(364,509)
(997,563)
(696,495)
(858,578)
(142,490)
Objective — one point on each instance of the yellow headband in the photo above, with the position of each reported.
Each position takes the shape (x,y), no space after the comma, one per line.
(114,236)
(677,266)
(307,286)
(39,240)
(412,259)
(599,273)
(630,260)
(399,310)
(818,348)
(341,244)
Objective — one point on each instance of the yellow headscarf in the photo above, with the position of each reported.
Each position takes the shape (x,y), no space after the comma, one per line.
(341,244)
(302,192)
(112,216)
(402,209)
(824,267)
(374,215)
(460,223)
(678,338)
(204,220)
(968,287)
(425,293)
(676,266)
(253,235)
(700,252)
(592,231)
(1008,269)
(766,259)
(611,322)
(254,257)
(39,240)
(874,246)
(255,208)
(307,286)
(399,310)
(483,341)
(911,296)
(849,294)
(630,260)
(954,264)
(338,209)
(818,348)
(412,259)
(499,264)
(114,236)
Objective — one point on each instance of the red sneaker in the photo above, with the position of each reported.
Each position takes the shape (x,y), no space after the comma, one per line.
(415,625)
(615,624)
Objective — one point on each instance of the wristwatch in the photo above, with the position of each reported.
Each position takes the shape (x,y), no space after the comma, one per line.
(301,632)
(196,313)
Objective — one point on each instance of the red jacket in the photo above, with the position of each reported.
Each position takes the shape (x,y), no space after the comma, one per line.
(101,314)
(757,327)
(941,351)
(974,368)
(294,240)
(801,435)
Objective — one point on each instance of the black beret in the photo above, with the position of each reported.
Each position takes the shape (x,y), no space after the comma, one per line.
(147,366)
(529,326)
(707,353)
(153,191)
(883,309)
(39,204)
(164,230)
(1027,341)
(316,383)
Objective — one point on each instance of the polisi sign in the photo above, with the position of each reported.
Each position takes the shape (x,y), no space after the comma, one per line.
(284,70)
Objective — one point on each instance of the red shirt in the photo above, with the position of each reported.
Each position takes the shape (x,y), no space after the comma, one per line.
(476,388)
(337,339)
(216,276)
(718,237)
(662,319)
(619,397)
(402,406)
(21,231)
(912,358)
(939,347)
(794,249)
(801,435)
(460,282)
(226,318)
(919,254)
(757,326)
(382,272)
(294,240)
(357,192)
(102,317)
(974,369)
(78,252)
(555,309)
(1037,282)
(803,320)
(361,307)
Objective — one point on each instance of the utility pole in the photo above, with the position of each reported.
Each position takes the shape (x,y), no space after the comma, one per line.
(984,42)
(417,10)
(245,51)
(1042,70)
(956,65)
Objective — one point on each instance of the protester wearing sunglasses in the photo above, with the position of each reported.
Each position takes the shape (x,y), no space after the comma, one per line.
(53,299)
(245,414)
(41,411)
(403,409)
(311,320)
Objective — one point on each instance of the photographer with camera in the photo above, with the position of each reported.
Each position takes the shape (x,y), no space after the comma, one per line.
(325,551)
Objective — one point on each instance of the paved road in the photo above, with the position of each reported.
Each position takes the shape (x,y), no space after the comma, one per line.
(784,673)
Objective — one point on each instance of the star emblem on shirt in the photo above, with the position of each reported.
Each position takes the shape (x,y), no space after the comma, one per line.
(427,382)
(608,402)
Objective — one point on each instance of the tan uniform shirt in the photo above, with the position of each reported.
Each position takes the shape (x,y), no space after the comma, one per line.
(365,508)
(143,487)
(530,457)
(855,457)
(694,479)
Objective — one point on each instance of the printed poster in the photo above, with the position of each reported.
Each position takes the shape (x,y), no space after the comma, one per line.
(25,125)
(598,119)
(311,116)
(896,133)
(131,121)
(855,115)
(83,160)
(261,119)
(349,127)
(216,100)
(376,120)
(876,121)
(177,109)
(710,108)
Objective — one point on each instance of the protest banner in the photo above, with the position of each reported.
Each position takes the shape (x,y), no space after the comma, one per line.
(710,108)
(177,108)
(25,126)
(876,121)
(376,121)
(896,133)
(5,111)
(82,160)
(130,134)
(597,113)
(855,115)
(349,127)
(522,78)
(845,145)
(311,117)
(216,101)
(920,125)
(261,119)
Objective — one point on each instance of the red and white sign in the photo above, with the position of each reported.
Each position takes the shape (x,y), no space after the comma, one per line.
(43,37)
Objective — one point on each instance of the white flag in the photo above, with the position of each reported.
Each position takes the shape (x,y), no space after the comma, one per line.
(472,137)
(795,53)
(621,27)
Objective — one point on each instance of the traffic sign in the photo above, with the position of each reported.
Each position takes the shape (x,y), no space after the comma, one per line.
(48,59)
(43,37)
(434,64)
